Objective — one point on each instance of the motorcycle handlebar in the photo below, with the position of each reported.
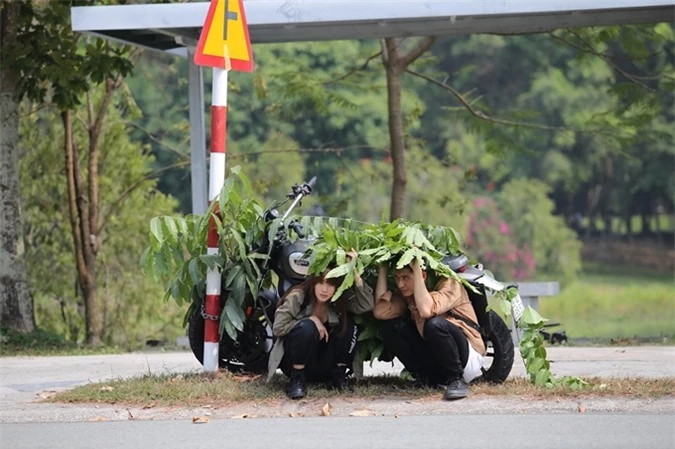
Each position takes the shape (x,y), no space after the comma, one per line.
(307,186)
(304,190)
(297,227)
(297,193)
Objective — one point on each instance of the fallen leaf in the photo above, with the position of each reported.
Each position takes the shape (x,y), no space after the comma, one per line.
(325,410)
(98,418)
(363,412)
(200,420)
(130,415)
(396,415)
(106,388)
(147,406)
(295,414)
(245,415)
(582,409)
(46,394)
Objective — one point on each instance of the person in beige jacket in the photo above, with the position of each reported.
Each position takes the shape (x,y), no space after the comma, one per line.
(433,333)
(315,339)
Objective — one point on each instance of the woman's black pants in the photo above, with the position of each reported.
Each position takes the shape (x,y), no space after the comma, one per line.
(438,358)
(303,347)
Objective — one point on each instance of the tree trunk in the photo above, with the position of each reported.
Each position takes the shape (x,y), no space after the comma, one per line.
(84,241)
(84,206)
(396,133)
(16,304)
(395,64)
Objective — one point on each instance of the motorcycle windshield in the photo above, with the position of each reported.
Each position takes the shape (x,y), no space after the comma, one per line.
(490,283)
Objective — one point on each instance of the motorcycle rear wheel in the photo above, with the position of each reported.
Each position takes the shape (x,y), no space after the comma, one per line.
(500,352)
(247,354)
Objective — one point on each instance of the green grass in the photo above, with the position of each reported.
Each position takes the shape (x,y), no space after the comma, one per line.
(664,223)
(615,303)
(40,342)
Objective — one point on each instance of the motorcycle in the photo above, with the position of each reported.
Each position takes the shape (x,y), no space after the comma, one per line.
(287,258)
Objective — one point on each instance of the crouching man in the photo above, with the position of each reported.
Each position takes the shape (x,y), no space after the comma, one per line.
(433,333)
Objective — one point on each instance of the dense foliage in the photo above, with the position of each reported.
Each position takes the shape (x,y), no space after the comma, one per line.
(177,256)
(132,308)
(578,87)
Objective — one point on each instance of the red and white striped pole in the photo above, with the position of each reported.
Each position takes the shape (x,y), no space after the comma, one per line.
(216,181)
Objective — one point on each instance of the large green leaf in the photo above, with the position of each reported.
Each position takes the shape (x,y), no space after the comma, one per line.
(171,229)
(340,271)
(235,315)
(531,316)
(196,273)
(156,229)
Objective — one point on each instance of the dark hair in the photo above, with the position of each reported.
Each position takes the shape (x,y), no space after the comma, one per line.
(307,288)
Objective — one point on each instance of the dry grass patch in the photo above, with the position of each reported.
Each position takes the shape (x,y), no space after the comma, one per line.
(597,386)
(198,389)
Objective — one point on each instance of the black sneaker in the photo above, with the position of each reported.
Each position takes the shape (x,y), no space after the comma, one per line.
(457,389)
(338,377)
(297,387)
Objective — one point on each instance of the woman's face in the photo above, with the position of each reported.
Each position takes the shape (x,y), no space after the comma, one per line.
(323,291)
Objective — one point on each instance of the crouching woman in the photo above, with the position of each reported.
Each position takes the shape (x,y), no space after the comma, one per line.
(315,339)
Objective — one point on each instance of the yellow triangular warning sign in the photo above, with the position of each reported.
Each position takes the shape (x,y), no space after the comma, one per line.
(225,36)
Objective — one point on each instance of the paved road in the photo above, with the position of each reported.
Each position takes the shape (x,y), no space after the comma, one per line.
(468,432)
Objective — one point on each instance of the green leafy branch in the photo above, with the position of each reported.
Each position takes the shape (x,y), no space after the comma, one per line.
(178,256)
(532,348)
(378,244)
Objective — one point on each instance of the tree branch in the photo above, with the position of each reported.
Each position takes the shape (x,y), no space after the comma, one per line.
(115,204)
(150,136)
(306,150)
(354,70)
(384,52)
(481,114)
(606,58)
(418,51)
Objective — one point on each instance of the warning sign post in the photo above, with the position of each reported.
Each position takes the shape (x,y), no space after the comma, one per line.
(224,44)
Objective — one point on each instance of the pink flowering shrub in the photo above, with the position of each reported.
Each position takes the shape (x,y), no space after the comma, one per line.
(491,242)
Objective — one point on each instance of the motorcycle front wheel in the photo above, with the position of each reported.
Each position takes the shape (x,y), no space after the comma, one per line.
(500,351)
(247,354)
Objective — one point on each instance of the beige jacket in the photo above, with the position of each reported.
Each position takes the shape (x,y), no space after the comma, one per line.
(447,295)
(360,300)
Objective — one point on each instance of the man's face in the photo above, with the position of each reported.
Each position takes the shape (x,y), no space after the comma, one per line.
(405,282)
